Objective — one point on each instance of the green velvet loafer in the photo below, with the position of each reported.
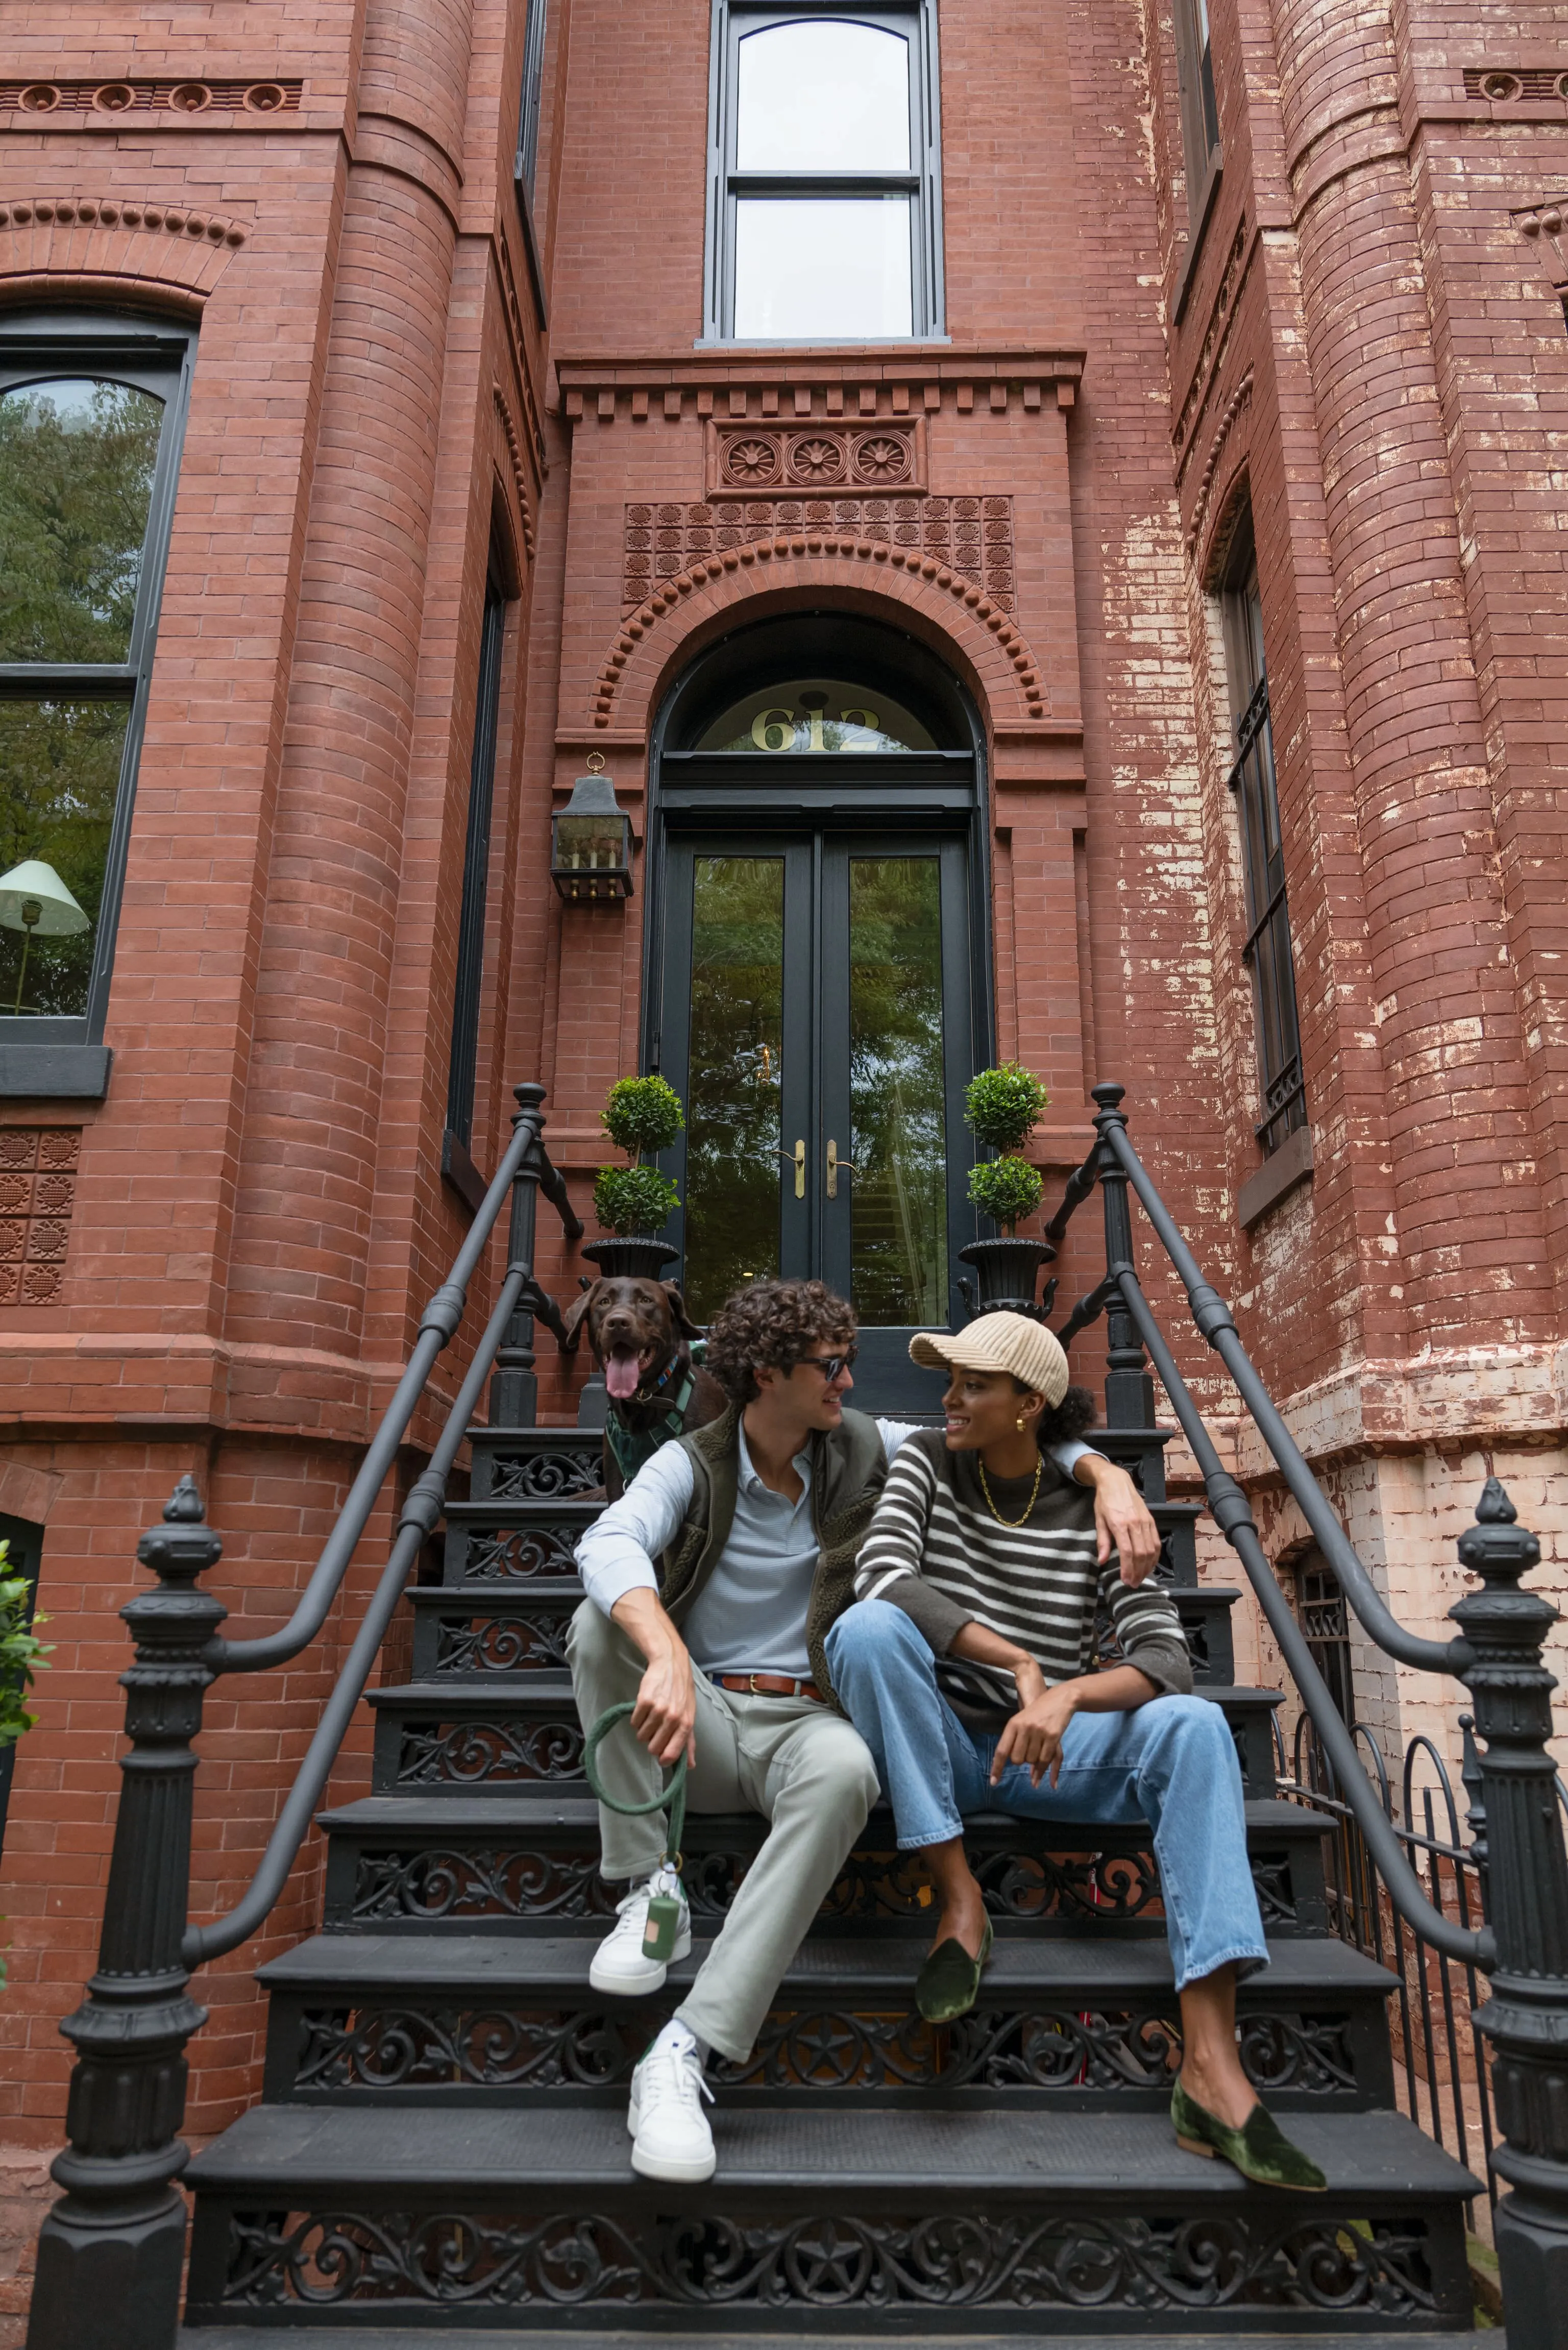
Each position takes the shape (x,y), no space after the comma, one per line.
(948,1982)
(1259,2151)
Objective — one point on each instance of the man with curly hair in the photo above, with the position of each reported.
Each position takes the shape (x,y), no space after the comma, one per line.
(712,1585)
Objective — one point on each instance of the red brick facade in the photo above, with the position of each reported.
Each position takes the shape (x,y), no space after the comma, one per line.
(1364,339)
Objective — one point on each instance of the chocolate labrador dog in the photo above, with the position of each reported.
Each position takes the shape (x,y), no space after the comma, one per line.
(641,1335)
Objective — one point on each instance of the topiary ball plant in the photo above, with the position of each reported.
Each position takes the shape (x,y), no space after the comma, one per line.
(633,1201)
(1006,1189)
(642,1114)
(1003,1106)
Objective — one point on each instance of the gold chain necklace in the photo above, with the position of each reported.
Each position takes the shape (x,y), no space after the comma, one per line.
(991,1505)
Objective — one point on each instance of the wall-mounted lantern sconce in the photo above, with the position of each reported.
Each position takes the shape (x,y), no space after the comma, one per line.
(591,840)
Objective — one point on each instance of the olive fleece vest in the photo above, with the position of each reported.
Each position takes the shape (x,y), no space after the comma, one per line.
(848,1470)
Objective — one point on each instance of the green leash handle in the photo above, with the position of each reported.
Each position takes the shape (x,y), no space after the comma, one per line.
(673,1798)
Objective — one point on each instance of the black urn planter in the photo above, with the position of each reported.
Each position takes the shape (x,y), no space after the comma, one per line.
(629,1260)
(1007,1272)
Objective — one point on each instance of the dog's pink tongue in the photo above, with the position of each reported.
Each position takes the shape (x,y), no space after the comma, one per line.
(620,1374)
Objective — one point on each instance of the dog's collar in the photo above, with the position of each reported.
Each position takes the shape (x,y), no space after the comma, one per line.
(633,1447)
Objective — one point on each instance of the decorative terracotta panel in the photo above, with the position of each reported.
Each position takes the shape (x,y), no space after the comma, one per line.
(37,1190)
(972,536)
(744,461)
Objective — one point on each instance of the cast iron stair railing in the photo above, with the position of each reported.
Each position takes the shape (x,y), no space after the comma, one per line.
(112,2249)
(113,2244)
(1522,1945)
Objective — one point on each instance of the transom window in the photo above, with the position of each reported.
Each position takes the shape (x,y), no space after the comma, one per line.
(816,714)
(90,417)
(823,217)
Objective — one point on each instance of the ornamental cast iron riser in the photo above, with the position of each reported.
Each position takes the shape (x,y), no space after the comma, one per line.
(1035,2054)
(730,2269)
(1114,1888)
(421,1748)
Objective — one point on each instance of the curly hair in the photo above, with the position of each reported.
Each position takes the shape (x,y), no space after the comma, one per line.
(770,1324)
(1072,1416)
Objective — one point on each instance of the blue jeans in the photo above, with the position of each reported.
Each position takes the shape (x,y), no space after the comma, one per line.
(1171,1763)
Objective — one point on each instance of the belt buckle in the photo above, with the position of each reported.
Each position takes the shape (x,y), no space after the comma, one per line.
(751,1689)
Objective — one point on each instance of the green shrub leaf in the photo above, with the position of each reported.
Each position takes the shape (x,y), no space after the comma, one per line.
(632,1200)
(1006,1189)
(1003,1106)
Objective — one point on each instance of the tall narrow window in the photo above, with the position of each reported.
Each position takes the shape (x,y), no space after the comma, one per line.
(533,88)
(1199,108)
(1323,1617)
(24,1549)
(1268,946)
(824,215)
(466,999)
(91,412)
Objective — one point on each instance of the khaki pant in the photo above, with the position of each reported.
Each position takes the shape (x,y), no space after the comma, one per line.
(806,1768)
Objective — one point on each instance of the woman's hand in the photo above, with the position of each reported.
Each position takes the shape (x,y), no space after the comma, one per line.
(1034,1734)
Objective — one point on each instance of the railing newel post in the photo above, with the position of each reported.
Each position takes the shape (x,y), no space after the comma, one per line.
(1526,2018)
(1474,1811)
(515,1386)
(112,2251)
(1129,1388)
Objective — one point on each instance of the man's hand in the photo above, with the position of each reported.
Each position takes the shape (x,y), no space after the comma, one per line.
(1034,1734)
(665,1715)
(1121,1517)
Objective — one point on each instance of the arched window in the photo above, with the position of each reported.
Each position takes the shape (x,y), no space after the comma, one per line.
(825,216)
(91,411)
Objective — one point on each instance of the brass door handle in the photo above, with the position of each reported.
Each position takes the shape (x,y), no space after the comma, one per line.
(798,1156)
(834,1164)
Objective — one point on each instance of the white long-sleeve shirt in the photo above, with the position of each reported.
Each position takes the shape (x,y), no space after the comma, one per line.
(751,1615)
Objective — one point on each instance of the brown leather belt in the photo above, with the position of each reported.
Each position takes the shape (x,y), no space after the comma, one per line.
(767,1685)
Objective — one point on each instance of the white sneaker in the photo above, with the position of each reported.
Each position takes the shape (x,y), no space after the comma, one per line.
(670,2133)
(620,1963)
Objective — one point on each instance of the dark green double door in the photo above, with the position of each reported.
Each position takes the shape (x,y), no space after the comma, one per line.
(817,1022)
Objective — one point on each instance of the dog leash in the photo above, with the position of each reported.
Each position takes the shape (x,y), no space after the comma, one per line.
(663,1909)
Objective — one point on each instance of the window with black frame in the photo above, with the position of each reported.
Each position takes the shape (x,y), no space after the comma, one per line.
(1253,780)
(1200,106)
(825,198)
(91,415)
(532,90)
(1323,1617)
(467,997)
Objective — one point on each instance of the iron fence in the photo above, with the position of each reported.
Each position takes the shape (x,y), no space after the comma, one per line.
(1438,2047)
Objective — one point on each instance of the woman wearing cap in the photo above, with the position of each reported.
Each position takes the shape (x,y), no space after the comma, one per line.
(967,1664)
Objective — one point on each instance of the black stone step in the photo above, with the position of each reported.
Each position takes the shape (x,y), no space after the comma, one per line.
(501,1729)
(938,2218)
(529,1860)
(456,2019)
(464,2337)
(513,1622)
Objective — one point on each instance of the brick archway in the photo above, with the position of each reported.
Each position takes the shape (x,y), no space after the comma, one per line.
(972,634)
(109,247)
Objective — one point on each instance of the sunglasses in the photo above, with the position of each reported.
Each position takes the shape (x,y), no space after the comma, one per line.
(831,1364)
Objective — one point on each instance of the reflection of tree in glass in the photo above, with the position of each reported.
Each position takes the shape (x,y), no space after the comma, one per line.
(76,481)
(900,1252)
(60,770)
(77,459)
(732,1098)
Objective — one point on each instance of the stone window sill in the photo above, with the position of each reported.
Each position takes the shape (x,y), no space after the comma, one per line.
(53,1072)
(1291,1164)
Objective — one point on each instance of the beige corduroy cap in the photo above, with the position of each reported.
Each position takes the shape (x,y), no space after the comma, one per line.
(998,1342)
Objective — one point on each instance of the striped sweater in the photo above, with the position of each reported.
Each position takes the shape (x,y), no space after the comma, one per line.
(934,1550)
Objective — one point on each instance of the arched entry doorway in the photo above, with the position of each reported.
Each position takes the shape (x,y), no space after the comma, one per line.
(818,984)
